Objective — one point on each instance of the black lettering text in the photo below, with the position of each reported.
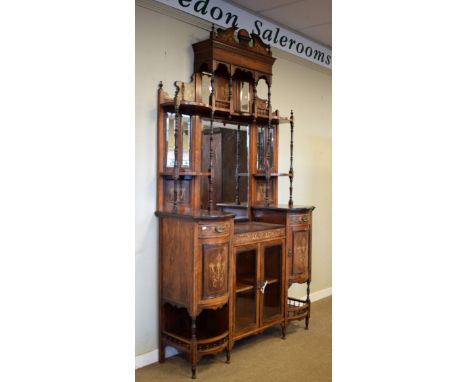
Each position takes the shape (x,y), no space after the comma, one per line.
(230,16)
(291,43)
(267,34)
(283,40)
(328,59)
(318,55)
(202,9)
(181,2)
(301,49)
(309,51)
(212,13)
(275,39)
(258,24)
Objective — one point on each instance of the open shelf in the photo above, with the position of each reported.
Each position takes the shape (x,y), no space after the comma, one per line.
(273,174)
(243,287)
(212,325)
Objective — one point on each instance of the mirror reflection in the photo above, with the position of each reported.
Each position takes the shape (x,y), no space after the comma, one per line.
(185,133)
(230,162)
(265,143)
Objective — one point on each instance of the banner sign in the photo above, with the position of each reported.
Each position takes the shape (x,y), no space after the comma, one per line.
(226,15)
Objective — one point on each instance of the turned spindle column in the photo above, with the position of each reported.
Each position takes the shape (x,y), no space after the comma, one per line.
(291,169)
(210,176)
(176,148)
(237,163)
(194,348)
(267,149)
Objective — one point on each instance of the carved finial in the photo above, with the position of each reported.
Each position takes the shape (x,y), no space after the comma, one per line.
(160,85)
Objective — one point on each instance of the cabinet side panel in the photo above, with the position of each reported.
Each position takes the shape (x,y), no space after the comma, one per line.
(177,260)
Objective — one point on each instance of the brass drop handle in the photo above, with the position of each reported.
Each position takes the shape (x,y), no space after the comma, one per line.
(219,228)
(305,219)
(262,289)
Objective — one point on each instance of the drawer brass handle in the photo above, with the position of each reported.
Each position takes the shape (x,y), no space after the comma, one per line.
(305,219)
(219,228)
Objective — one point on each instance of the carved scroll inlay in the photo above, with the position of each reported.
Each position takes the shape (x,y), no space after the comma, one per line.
(259,235)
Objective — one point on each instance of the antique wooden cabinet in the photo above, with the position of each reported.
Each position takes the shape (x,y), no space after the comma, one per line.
(228,252)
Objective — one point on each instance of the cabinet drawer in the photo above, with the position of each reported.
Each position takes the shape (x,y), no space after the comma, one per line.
(298,219)
(214,229)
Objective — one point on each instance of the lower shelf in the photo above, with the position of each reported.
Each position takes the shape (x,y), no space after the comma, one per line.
(203,344)
(211,328)
(297,308)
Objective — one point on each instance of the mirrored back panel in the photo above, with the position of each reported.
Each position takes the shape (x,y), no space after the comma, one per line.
(230,173)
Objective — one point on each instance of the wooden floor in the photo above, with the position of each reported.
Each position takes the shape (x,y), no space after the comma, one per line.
(305,355)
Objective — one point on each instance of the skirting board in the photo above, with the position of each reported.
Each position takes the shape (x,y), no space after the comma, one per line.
(327,292)
(153,356)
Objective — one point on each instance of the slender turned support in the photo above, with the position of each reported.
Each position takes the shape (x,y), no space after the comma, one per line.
(210,176)
(267,156)
(228,355)
(254,110)
(291,169)
(283,331)
(259,148)
(237,163)
(194,348)
(308,303)
(176,148)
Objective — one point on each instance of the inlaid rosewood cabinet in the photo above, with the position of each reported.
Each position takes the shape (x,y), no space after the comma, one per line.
(228,252)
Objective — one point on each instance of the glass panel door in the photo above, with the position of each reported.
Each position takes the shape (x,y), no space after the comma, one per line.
(246,288)
(272,285)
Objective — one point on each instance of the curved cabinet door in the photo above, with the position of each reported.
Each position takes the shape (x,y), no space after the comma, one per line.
(214,270)
(299,253)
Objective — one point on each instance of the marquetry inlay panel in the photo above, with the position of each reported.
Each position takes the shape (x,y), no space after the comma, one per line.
(248,237)
(300,252)
(215,270)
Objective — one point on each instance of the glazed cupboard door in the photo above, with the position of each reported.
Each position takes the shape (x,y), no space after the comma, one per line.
(246,294)
(271,288)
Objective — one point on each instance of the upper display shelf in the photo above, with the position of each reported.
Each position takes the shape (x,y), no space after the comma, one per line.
(187,105)
(232,79)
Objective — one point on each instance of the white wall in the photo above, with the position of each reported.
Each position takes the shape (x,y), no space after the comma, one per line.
(163,49)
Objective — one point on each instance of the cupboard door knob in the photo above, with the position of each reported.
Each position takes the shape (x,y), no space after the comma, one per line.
(262,289)
(289,252)
(219,228)
(305,219)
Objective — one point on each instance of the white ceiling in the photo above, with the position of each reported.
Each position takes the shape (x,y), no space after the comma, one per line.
(310,18)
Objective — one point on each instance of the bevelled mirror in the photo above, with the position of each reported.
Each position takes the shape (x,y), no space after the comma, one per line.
(265,145)
(184,135)
(230,173)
